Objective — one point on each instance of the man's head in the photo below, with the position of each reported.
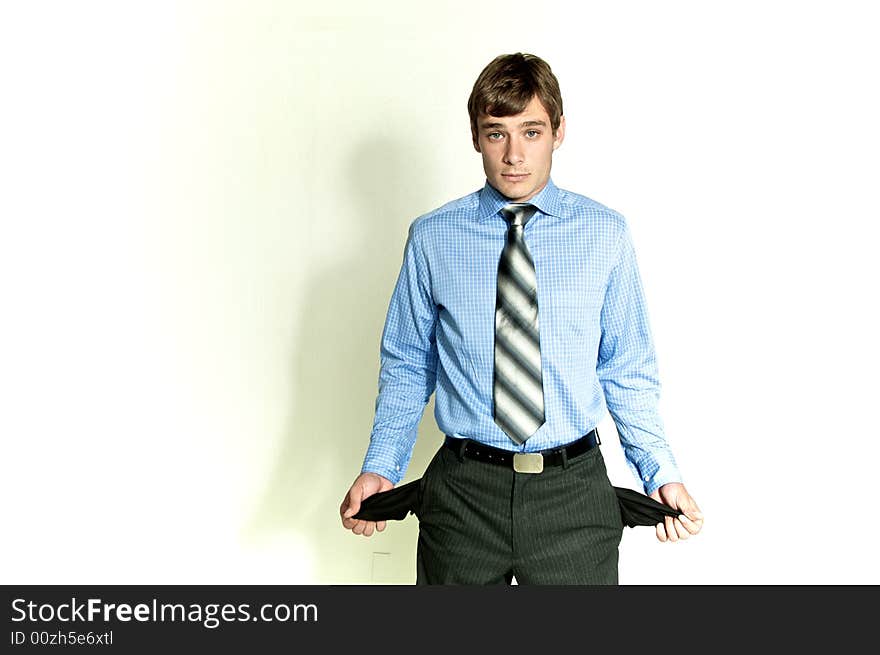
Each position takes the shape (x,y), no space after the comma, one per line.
(517,123)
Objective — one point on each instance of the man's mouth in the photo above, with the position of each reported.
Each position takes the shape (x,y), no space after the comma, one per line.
(514,176)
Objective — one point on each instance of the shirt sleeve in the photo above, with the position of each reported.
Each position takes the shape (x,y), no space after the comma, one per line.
(408,366)
(627,369)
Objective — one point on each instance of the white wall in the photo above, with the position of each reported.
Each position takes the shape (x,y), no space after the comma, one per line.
(203,212)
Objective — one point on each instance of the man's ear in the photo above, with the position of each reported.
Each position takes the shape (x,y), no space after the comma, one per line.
(476,141)
(560,133)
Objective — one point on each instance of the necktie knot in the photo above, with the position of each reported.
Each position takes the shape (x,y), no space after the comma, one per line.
(518,213)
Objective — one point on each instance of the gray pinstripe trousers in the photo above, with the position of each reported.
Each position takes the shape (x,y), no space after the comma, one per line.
(482,523)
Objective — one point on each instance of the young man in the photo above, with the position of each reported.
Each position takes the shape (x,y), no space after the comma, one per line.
(522,306)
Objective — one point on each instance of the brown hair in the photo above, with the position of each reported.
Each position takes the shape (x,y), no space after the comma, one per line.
(509,83)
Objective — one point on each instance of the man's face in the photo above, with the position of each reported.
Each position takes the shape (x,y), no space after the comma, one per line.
(518,150)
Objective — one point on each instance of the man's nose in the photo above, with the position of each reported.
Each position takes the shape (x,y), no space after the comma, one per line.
(513,155)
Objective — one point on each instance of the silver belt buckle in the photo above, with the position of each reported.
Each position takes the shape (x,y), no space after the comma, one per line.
(528,462)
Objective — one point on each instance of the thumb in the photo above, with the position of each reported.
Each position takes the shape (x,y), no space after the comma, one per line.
(692,512)
(354,503)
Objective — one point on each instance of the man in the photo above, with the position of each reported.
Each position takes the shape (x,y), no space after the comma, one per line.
(522,306)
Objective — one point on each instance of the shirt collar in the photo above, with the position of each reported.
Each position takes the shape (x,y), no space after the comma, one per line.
(491,201)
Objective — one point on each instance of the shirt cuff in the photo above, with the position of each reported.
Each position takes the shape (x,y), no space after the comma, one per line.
(653,472)
(383,458)
(390,473)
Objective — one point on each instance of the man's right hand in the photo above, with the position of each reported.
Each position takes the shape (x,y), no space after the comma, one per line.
(365,485)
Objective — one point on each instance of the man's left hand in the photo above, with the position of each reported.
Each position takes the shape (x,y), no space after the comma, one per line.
(690,519)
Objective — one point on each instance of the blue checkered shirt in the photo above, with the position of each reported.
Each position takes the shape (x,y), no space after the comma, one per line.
(597,351)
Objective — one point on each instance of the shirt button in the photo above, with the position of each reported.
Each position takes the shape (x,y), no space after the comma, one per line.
(398,468)
(647,478)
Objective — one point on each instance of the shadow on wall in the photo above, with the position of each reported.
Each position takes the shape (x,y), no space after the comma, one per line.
(335,370)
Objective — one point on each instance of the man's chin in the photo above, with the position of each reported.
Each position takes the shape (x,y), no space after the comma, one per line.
(512,190)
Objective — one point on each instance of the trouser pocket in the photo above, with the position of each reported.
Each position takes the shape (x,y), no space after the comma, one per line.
(425,483)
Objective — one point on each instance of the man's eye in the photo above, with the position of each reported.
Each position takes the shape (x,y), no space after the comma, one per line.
(494,135)
(533,133)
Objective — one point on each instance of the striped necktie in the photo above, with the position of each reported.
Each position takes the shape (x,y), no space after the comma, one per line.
(518,392)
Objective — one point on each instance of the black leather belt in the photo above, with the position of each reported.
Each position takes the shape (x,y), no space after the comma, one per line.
(523,462)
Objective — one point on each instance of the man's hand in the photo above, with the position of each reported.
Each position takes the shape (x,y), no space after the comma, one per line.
(365,485)
(688,522)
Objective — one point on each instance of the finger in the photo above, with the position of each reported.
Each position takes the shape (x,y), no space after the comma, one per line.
(693,527)
(680,530)
(359,527)
(670,529)
(661,532)
(380,525)
(368,529)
